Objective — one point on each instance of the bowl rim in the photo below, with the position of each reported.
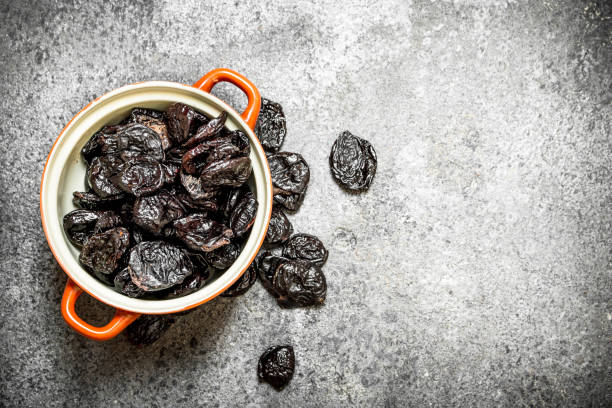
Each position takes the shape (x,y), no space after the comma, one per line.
(140,305)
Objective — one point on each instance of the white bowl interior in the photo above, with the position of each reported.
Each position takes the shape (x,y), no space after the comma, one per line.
(65,173)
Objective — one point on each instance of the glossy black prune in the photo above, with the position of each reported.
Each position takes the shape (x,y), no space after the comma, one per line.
(79,225)
(207,131)
(106,221)
(271,126)
(200,233)
(91,201)
(280,228)
(123,283)
(306,247)
(222,257)
(267,264)
(182,120)
(194,187)
(140,176)
(102,143)
(353,162)
(232,172)
(103,251)
(99,174)
(299,283)
(147,329)
(158,265)
(154,120)
(243,215)
(243,284)
(290,177)
(276,366)
(191,284)
(136,140)
(152,213)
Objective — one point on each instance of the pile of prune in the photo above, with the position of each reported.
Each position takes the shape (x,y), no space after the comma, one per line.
(167,206)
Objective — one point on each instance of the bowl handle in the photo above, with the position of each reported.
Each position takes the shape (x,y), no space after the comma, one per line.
(215,76)
(120,321)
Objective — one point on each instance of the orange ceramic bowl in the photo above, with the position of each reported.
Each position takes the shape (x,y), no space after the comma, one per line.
(65,172)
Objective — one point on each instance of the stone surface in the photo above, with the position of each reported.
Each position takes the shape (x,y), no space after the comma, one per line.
(477,271)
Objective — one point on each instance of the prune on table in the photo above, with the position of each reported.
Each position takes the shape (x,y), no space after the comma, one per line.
(154,120)
(243,215)
(79,225)
(195,188)
(306,247)
(207,131)
(353,162)
(299,283)
(276,366)
(99,173)
(102,143)
(290,177)
(232,172)
(158,265)
(267,264)
(271,127)
(102,252)
(243,284)
(200,233)
(106,221)
(152,213)
(182,120)
(123,283)
(222,257)
(136,140)
(140,176)
(280,228)
(147,329)
(91,201)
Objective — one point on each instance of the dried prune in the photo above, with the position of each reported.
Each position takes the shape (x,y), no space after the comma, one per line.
(280,228)
(276,366)
(154,120)
(231,198)
(136,140)
(157,265)
(106,221)
(243,284)
(207,131)
(191,284)
(154,212)
(353,162)
(102,252)
(240,140)
(147,329)
(202,234)
(202,205)
(290,177)
(222,257)
(182,120)
(99,174)
(267,264)
(79,225)
(102,143)
(226,172)
(194,187)
(299,283)
(243,215)
(91,201)
(271,127)
(123,283)
(171,170)
(306,247)
(175,155)
(140,176)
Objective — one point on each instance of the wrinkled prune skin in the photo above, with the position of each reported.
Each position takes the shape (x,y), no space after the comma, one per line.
(191,284)
(276,366)
(202,205)
(196,190)
(99,175)
(243,215)
(123,283)
(353,162)
(271,126)
(171,171)
(140,176)
(267,264)
(223,257)
(102,252)
(182,120)
(306,247)
(193,160)
(280,228)
(154,120)
(207,131)
(290,177)
(152,213)
(91,201)
(231,197)
(106,221)
(102,143)
(232,172)
(158,265)
(79,225)
(175,155)
(200,233)
(147,329)
(240,140)
(299,283)
(243,284)
(137,140)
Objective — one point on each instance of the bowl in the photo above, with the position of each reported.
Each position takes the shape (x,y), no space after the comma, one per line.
(64,173)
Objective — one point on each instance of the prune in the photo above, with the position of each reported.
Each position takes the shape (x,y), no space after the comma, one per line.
(276,366)
(353,162)
(171,170)
(154,120)
(267,264)
(231,198)
(79,225)
(243,284)
(102,252)
(226,172)
(157,265)
(99,174)
(91,201)
(271,127)
(224,149)
(201,234)
(194,187)
(194,159)
(175,155)
(154,212)
(123,283)
(191,284)
(207,131)
(106,221)
(290,177)
(306,247)
(299,283)
(140,176)
(136,140)
(103,142)
(222,257)
(182,120)
(240,140)
(280,228)
(243,214)
(205,204)
(147,329)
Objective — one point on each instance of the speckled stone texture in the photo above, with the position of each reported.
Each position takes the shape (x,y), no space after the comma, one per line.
(477,271)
